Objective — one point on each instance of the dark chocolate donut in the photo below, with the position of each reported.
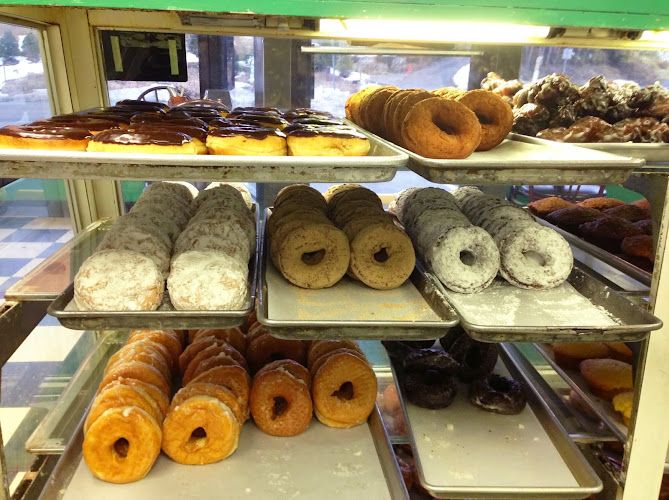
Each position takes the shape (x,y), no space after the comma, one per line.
(498,394)
(476,359)
(451,336)
(429,389)
(430,359)
(398,349)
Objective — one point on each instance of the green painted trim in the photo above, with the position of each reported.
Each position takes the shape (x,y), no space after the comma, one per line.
(649,14)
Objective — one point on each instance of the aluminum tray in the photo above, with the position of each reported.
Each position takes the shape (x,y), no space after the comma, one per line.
(601,407)
(527,160)
(643,277)
(262,467)
(580,310)
(463,452)
(416,310)
(165,318)
(650,152)
(379,165)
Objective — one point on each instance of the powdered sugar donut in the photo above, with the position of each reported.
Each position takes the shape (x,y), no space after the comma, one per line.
(243,219)
(239,186)
(158,220)
(136,240)
(535,257)
(207,281)
(172,210)
(220,191)
(118,280)
(171,190)
(226,236)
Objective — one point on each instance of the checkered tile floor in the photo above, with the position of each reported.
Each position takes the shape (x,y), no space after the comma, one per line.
(33,377)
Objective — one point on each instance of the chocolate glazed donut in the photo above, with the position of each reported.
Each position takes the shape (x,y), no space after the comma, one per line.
(498,394)
(428,378)
(477,359)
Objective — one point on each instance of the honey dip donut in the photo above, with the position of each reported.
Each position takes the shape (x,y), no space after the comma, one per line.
(200,430)
(321,359)
(122,445)
(138,370)
(314,256)
(232,336)
(195,352)
(493,113)
(288,365)
(382,256)
(280,403)
(145,355)
(439,128)
(220,359)
(158,396)
(223,394)
(120,396)
(319,348)
(344,391)
(233,377)
(267,348)
(166,338)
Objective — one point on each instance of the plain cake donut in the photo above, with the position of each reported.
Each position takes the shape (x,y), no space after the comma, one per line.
(493,113)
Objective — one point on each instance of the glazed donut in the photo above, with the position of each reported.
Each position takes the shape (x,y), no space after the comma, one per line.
(344,391)
(321,359)
(250,320)
(498,394)
(314,256)
(439,128)
(220,359)
(205,347)
(143,354)
(120,396)
(138,370)
(158,396)
(429,388)
(382,256)
(232,336)
(223,394)
(319,348)
(233,377)
(293,367)
(167,338)
(200,430)
(266,348)
(256,330)
(280,403)
(493,113)
(122,445)
(477,359)
(138,283)
(144,345)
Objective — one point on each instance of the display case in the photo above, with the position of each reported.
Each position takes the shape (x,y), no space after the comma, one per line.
(571,453)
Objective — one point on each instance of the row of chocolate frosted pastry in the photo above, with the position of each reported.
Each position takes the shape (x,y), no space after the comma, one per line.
(195,127)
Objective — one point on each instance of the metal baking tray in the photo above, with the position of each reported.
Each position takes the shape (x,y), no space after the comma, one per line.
(601,407)
(615,262)
(649,152)
(521,159)
(416,310)
(580,310)
(263,466)
(464,452)
(379,165)
(164,318)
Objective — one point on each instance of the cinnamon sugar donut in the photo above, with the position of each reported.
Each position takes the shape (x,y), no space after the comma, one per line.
(138,283)
(267,348)
(233,377)
(158,396)
(314,256)
(122,445)
(200,430)
(119,396)
(167,338)
(439,128)
(344,391)
(141,371)
(223,394)
(232,336)
(205,347)
(280,403)
(493,113)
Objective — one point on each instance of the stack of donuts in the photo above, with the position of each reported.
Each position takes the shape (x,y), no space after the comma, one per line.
(305,246)
(129,268)
(205,418)
(531,256)
(446,123)
(382,256)
(209,269)
(123,430)
(463,256)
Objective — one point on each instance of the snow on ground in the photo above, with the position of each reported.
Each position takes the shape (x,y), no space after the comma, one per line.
(461,77)
(330,100)
(23,68)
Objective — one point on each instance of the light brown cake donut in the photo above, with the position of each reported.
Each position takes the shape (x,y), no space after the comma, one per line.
(493,113)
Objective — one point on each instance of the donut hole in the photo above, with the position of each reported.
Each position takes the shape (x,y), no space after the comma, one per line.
(280,407)
(345,391)
(197,439)
(467,258)
(535,258)
(484,119)
(313,258)
(381,256)
(121,447)
(500,384)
